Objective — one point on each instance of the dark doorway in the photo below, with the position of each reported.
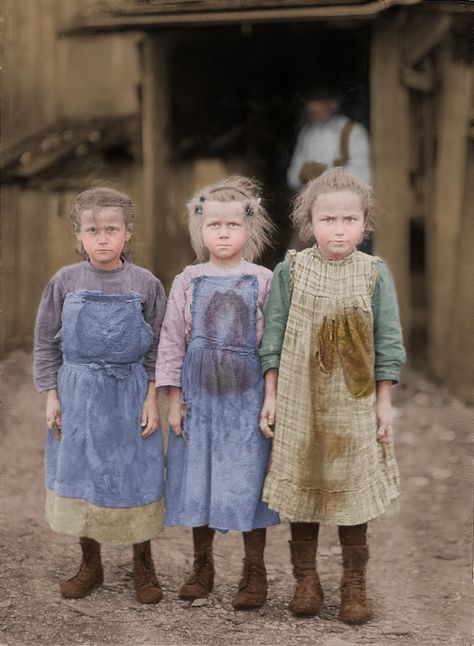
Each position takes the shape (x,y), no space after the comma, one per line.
(238,91)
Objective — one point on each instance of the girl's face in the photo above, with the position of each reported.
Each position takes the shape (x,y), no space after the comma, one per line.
(103,235)
(224,231)
(337,223)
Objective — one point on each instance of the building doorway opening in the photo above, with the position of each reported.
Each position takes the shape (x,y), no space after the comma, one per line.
(238,91)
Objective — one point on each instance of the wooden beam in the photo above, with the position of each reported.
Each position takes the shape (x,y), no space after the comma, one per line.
(422,35)
(391,158)
(448,6)
(418,80)
(114,22)
(155,151)
(445,232)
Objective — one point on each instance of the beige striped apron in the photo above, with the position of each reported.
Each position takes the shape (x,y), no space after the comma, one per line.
(326,464)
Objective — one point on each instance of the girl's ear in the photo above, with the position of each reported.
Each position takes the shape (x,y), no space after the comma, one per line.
(128,235)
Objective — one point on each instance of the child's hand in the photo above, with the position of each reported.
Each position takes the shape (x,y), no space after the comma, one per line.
(384,413)
(53,413)
(175,414)
(150,419)
(267,416)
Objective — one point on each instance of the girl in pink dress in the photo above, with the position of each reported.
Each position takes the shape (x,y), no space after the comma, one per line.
(208,359)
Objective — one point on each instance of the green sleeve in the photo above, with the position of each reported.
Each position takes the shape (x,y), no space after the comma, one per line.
(389,351)
(276,315)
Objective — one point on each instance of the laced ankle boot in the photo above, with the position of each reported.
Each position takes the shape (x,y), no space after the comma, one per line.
(308,592)
(355,608)
(253,584)
(201,580)
(90,575)
(147,588)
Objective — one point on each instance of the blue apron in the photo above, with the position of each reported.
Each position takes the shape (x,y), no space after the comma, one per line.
(102,385)
(215,475)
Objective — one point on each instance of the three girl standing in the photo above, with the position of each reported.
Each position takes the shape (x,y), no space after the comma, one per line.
(326,326)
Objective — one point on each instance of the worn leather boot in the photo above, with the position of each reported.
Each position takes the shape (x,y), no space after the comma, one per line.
(253,584)
(147,588)
(308,592)
(201,580)
(355,608)
(90,575)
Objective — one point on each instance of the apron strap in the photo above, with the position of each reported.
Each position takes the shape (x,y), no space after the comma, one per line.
(344,144)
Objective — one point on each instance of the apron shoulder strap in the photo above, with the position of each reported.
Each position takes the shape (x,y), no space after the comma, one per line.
(291,255)
(344,144)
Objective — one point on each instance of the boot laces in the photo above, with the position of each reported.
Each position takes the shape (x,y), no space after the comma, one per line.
(250,574)
(202,565)
(355,583)
(84,574)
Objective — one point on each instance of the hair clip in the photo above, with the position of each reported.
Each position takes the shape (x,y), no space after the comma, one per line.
(198,209)
(249,212)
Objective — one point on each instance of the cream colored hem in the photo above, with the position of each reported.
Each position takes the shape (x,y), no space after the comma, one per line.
(332,508)
(118,526)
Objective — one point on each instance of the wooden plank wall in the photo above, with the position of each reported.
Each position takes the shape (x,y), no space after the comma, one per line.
(47,78)
(36,240)
(29,97)
(446,241)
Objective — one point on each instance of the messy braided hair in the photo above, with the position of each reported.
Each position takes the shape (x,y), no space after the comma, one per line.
(98,198)
(332,180)
(235,188)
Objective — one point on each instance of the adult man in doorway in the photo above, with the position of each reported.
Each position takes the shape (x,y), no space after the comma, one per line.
(328,139)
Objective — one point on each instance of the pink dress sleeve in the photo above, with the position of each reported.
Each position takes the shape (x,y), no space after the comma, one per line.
(266,290)
(265,278)
(172,346)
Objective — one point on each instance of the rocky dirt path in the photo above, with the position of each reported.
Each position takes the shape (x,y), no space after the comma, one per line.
(420,575)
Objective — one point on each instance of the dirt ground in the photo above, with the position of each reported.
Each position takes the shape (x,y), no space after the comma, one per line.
(420,572)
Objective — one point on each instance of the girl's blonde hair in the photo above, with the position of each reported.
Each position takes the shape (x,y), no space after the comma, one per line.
(98,198)
(235,188)
(332,180)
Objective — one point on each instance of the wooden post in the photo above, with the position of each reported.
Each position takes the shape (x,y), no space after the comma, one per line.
(391,157)
(461,368)
(153,252)
(444,234)
(8,277)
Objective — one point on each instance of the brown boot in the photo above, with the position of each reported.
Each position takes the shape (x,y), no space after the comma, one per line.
(147,588)
(355,608)
(201,580)
(90,573)
(253,584)
(308,593)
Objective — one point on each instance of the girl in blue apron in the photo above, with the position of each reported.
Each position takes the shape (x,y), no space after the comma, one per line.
(96,338)
(208,360)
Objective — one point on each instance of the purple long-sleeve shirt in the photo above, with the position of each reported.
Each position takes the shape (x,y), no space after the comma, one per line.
(176,330)
(83,276)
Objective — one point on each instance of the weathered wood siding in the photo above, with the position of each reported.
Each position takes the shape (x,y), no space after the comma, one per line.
(47,77)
